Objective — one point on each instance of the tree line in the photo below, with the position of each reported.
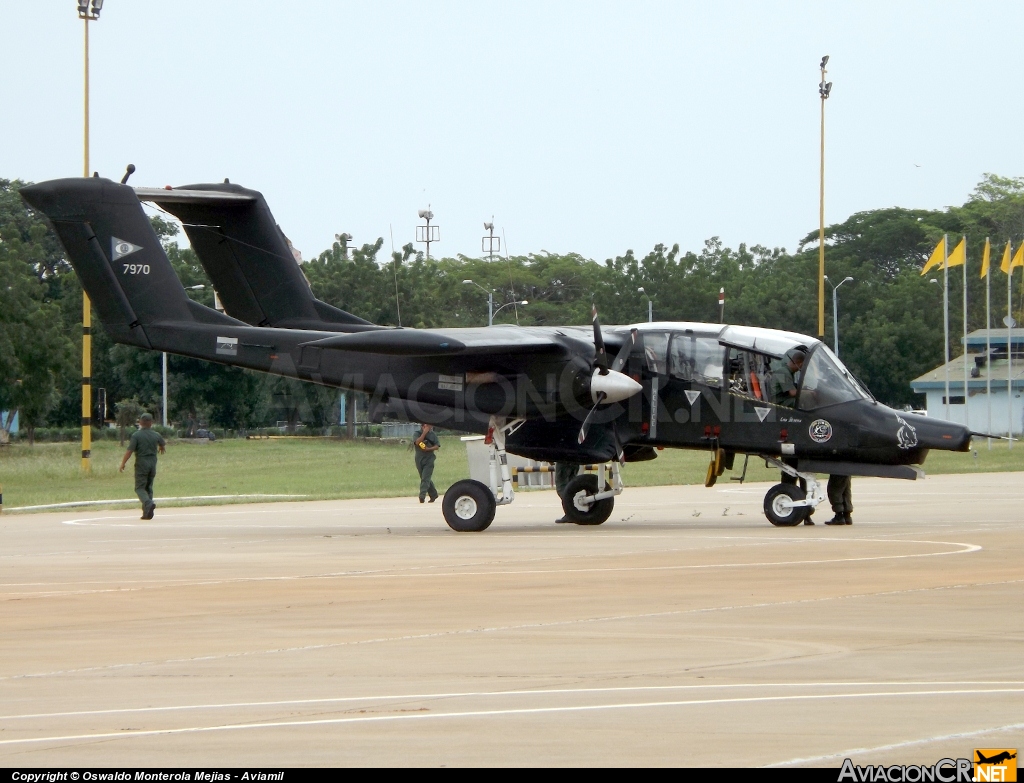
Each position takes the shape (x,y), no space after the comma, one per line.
(890,316)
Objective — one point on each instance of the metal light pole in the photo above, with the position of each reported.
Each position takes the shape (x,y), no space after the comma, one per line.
(427,233)
(824,88)
(650,304)
(721,305)
(835,310)
(509,304)
(490,301)
(87,14)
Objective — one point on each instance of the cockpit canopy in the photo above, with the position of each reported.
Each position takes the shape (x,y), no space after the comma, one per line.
(745,360)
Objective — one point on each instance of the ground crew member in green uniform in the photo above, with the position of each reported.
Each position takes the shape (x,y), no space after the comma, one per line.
(425,445)
(145,443)
(564,473)
(840,495)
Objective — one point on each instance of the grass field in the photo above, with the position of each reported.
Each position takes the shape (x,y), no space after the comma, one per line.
(320,469)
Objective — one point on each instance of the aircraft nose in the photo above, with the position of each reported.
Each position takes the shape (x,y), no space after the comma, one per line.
(942,435)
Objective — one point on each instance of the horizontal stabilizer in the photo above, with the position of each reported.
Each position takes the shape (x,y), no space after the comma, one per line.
(182,196)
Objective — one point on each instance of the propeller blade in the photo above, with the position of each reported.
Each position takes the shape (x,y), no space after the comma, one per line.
(601,358)
(586,422)
(627,348)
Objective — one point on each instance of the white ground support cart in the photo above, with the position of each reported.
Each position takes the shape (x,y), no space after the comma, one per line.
(469,505)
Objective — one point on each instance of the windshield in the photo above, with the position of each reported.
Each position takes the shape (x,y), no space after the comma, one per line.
(825,381)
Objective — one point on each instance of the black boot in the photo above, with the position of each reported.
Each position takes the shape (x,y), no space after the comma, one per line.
(838,519)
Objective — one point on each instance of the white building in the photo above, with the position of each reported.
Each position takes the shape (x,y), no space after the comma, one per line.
(984,372)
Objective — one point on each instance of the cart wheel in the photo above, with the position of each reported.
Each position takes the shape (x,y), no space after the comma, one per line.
(580,513)
(778,505)
(468,506)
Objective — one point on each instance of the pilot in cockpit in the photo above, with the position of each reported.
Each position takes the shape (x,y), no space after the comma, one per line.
(784,373)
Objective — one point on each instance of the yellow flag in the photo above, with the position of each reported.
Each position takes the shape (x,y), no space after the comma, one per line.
(959,255)
(1018,258)
(984,258)
(936,258)
(1005,266)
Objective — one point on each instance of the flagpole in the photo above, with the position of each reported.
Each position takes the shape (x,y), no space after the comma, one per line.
(945,312)
(987,264)
(967,396)
(1009,352)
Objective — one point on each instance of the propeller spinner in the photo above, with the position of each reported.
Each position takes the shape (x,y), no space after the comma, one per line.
(608,384)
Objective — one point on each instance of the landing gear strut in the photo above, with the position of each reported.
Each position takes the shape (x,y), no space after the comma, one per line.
(787,505)
(468,505)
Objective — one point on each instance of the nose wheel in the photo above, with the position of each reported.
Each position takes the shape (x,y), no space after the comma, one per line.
(779,505)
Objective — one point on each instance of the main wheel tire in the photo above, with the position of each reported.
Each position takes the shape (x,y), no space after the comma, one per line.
(777,508)
(581,514)
(468,506)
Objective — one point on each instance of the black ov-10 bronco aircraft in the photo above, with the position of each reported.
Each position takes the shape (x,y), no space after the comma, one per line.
(569,394)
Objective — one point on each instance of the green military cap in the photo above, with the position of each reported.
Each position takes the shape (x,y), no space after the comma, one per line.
(146,417)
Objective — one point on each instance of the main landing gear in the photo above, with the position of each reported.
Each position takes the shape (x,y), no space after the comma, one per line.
(787,505)
(469,505)
(584,504)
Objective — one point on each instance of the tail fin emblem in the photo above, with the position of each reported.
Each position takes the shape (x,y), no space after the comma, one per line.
(119,248)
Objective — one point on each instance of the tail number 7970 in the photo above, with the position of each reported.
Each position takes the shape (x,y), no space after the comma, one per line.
(136,269)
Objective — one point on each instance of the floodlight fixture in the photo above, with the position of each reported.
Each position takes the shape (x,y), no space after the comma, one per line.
(824,61)
(488,227)
(84,11)
(426,214)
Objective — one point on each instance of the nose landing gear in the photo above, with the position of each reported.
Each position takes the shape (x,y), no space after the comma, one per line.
(787,505)
(779,505)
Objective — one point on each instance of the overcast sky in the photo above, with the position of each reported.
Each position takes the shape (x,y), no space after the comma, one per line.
(590,127)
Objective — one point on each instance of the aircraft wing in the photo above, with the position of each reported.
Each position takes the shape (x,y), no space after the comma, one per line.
(422,342)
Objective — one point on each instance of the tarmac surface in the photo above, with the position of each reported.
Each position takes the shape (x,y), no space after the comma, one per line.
(684,631)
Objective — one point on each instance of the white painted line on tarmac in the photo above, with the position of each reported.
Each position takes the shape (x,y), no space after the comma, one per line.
(79,503)
(501,629)
(521,692)
(965,549)
(906,744)
(127,734)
